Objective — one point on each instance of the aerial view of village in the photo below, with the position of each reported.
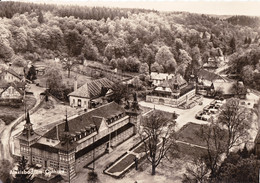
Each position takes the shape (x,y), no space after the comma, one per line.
(105,94)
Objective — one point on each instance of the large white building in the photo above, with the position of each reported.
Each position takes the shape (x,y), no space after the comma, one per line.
(70,145)
(173,92)
(92,90)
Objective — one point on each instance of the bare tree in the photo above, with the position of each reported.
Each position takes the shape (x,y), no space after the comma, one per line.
(235,119)
(214,137)
(158,136)
(197,171)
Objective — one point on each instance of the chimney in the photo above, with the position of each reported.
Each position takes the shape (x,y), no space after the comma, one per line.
(75,84)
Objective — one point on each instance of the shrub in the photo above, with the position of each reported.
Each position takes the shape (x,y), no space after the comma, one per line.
(7,119)
(92,177)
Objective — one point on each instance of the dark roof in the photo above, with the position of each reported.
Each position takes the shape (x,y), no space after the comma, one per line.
(45,147)
(11,71)
(4,84)
(103,140)
(52,133)
(92,89)
(186,89)
(176,79)
(91,118)
(210,76)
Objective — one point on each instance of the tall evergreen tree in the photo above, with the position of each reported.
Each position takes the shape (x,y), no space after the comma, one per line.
(23,176)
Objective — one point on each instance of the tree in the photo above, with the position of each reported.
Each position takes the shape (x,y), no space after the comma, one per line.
(31,74)
(196,58)
(6,52)
(68,64)
(147,56)
(119,92)
(92,177)
(74,42)
(237,169)
(236,120)
(158,136)
(232,45)
(214,137)
(165,58)
(23,176)
(5,167)
(40,18)
(197,171)
(248,74)
(53,77)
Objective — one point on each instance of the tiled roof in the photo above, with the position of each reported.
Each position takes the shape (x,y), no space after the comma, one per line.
(45,148)
(91,118)
(210,76)
(92,89)
(161,76)
(4,84)
(170,82)
(11,71)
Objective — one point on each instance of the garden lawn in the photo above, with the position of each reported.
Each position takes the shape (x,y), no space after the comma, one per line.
(192,151)
(189,133)
(122,164)
(8,114)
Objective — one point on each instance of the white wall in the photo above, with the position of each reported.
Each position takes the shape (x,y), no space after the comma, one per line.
(74,102)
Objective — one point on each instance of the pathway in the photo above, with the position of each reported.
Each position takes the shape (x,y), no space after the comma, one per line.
(6,133)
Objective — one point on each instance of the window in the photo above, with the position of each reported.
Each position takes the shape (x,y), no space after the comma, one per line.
(48,140)
(79,102)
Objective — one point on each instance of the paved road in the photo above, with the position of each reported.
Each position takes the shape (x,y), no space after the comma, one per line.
(6,133)
(185,115)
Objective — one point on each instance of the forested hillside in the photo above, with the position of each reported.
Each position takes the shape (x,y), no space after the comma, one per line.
(132,40)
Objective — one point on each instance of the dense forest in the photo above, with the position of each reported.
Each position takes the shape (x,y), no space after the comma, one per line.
(134,40)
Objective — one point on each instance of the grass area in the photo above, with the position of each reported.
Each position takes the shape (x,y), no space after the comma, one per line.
(123,164)
(81,79)
(193,151)
(8,114)
(188,133)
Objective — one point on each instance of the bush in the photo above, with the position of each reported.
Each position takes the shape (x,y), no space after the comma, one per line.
(7,119)
(92,177)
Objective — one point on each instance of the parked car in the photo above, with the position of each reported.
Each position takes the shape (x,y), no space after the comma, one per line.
(205,117)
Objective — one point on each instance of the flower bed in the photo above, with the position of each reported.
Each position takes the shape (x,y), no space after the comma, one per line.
(140,149)
(123,164)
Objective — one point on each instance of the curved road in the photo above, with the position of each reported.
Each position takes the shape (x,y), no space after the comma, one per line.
(6,132)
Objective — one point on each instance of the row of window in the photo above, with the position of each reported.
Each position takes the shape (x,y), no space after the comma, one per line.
(37,160)
(114,118)
(25,149)
(65,158)
(54,164)
(48,140)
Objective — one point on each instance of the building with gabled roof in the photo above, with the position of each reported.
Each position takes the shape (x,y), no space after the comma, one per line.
(9,75)
(173,92)
(158,78)
(11,90)
(92,90)
(76,142)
